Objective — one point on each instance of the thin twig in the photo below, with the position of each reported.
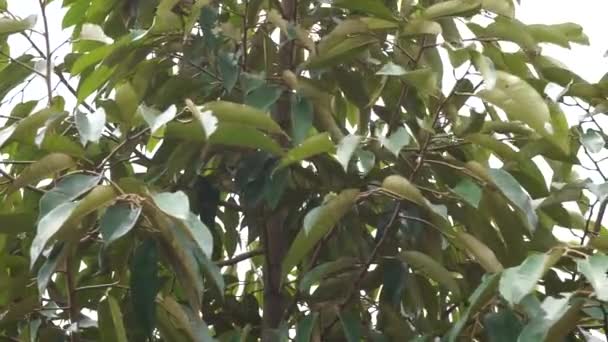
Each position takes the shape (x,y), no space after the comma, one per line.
(49,53)
(239,258)
(101,286)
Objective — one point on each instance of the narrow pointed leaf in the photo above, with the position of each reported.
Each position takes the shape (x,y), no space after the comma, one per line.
(346,149)
(90,126)
(517,282)
(111,325)
(117,221)
(327,218)
(310,147)
(432,269)
(46,166)
(482,253)
(595,269)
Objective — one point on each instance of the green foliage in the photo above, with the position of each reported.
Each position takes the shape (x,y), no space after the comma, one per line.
(321,170)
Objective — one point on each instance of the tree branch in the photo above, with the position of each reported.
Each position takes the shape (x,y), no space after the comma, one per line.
(239,258)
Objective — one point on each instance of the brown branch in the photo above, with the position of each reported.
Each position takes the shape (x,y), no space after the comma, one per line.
(49,53)
(71,296)
(241,257)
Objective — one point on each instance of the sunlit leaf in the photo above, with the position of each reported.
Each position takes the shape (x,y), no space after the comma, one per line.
(517,282)
(155,118)
(594,269)
(396,141)
(175,204)
(452,8)
(593,141)
(90,126)
(312,146)
(8,25)
(346,148)
(117,221)
(520,101)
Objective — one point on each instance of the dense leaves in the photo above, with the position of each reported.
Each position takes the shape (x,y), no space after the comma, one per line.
(340,170)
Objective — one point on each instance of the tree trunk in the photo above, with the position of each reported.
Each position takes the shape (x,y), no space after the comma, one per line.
(275,239)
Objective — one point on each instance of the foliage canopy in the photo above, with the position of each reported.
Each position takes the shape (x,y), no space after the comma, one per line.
(352,170)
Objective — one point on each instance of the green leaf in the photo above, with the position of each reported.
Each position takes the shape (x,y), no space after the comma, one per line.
(559,34)
(48,226)
(405,189)
(469,191)
(370,7)
(111,326)
(351,323)
(502,326)
(312,146)
(94,33)
(263,97)
(229,70)
(8,26)
(94,81)
(90,126)
(117,221)
(67,189)
(328,216)
(6,133)
(482,253)
(200,233)
(46,166)
(47,269)
(391,69)
(230,134)
(486,67)
(593,141)
(155,118)
(595,268)
(184,319)
(145,284)
(17,222)
(301,119)
(346,148)
(482,294)
(88,59)
(418,27)
(502,7)
(432,269)
(305,327)
(452,8)
(230,112)
(514,192)
(425,80)
(517,282)
(15,74)
(396,141)
(317,274)
(342,52)
(175,204)
(544,317)
(127,101)
(520,101)
(366,161)
(212,273)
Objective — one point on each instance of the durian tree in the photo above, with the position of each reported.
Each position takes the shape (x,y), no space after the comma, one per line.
(307,170)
